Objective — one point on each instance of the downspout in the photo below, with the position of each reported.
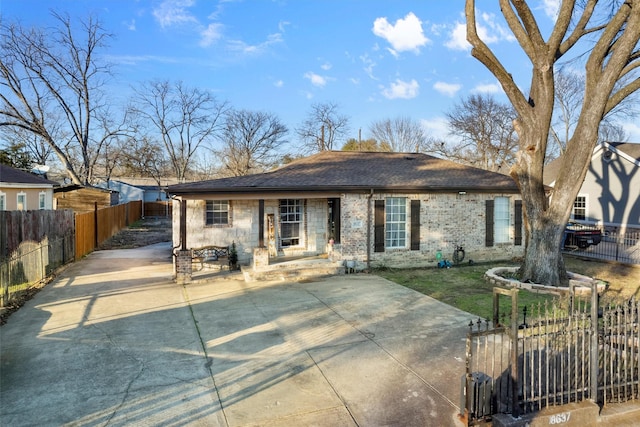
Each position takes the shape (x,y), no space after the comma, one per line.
(369,230)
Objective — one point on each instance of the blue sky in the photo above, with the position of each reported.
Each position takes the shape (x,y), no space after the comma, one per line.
(376,59)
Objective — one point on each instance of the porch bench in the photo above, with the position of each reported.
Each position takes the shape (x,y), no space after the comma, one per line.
(209,254)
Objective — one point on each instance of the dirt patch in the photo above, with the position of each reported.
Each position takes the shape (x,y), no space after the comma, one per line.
(144,232)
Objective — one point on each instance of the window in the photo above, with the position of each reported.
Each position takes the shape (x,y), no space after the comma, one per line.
(501,220)
(3,201)
(21,202)
(217,212)
(42,200)
(290,219)
(395,222)
(580,208)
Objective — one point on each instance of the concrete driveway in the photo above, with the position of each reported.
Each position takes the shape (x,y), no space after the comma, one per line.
(113,341)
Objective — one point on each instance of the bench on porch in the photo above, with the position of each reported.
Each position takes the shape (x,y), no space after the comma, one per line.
(210,254)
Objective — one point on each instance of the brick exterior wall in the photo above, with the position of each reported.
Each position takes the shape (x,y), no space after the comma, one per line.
(445,220)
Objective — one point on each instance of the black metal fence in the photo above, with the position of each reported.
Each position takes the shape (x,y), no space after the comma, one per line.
(562,352)
(616,245)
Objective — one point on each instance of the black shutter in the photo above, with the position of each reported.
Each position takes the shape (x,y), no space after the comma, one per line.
(518,223)
(415,225)
(378,234)
(489,223)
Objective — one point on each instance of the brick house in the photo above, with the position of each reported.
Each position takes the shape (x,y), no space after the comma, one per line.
(377,209)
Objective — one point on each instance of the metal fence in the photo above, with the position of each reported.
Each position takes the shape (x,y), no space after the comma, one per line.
(615,246)
(32,262)
(567,352)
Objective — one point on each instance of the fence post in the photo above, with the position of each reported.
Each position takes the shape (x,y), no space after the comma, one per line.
(515,410)
(594,342)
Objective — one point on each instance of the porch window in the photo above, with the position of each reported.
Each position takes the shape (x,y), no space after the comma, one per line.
(395,222)
(501,220)
(42,200)
(579,211)
(217,212)
(290,220)
(21,202)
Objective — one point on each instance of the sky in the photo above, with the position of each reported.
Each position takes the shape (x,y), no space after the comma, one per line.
(375,59)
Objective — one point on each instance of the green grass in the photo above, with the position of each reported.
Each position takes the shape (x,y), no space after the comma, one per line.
(464,286)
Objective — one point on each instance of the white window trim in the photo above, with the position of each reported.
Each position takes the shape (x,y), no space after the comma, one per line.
(18,196)
(220,224)
(387,244)
(42,200)
(586,207)
(500,237)
(3,201)
(300,204)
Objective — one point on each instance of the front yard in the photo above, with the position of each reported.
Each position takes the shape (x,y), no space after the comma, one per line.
(464,286)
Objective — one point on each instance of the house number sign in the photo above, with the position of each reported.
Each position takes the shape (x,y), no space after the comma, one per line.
(560,418)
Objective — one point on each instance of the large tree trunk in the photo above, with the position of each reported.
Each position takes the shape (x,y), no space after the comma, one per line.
(543,262)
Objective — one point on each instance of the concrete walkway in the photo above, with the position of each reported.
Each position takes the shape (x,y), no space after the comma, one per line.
(114,341)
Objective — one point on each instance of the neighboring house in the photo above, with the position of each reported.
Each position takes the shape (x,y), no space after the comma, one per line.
(378,209)
(610,194)
(132,189)
(84,198)
(21,190)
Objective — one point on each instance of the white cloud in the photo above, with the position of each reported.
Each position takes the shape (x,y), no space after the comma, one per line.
(633,130)
(488,30)
(401,89)
(131,25)
(278,83)
(458,39)
(405,35)
(551,8)
(437,127)
(211,34)
(488,88)
(240,46)
(174,12)
(448,89)
(326,66)
(369,65)
(316,79)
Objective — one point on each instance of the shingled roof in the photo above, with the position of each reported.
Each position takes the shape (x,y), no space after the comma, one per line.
(9,175)
(350,171)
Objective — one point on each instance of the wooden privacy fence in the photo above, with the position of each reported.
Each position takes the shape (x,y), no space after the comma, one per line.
(567,352)
(34,243)
(159,209)
(93,228)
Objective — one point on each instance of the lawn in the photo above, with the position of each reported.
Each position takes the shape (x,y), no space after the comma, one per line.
(464,286)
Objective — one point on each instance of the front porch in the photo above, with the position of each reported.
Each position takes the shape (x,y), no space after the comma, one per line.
(292,268)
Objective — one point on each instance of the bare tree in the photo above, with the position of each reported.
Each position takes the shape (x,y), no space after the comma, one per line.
(185,118)
(144,157)
(250,142)
(569,95)
(39,151)
(612,30)
(485,137)
(401,134)
(366,145)
(52,86)
(323,128)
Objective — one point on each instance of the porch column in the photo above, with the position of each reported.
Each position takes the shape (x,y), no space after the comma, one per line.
(183,224)
(183,268)
(261,223)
